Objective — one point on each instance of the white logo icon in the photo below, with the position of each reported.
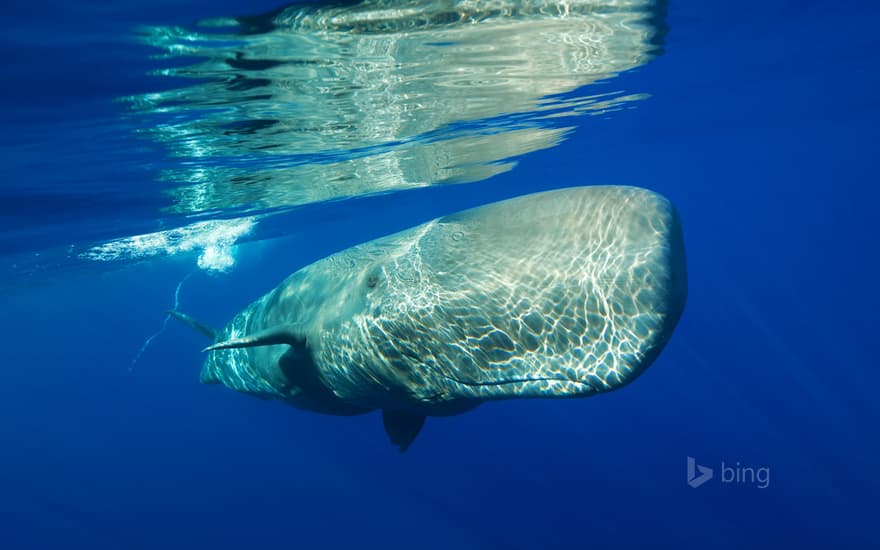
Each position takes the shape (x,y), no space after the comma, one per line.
(695,480)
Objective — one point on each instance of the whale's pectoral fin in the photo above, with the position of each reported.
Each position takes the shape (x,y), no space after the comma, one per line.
(269,337)
(204,329)
(402,428)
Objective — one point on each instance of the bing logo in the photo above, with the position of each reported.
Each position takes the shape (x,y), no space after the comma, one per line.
(698,475)
(695,480)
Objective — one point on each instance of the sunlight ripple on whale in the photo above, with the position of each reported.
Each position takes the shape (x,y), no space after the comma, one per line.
(564,293)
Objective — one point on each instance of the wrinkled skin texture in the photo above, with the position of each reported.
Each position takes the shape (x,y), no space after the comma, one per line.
(558,294)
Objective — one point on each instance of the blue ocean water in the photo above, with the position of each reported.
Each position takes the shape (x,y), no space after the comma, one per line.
(160,151)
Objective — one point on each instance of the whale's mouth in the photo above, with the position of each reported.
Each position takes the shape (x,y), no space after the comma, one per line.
(531,386)
(514,381)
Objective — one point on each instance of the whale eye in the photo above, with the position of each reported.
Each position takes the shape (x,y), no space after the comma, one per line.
(372,280)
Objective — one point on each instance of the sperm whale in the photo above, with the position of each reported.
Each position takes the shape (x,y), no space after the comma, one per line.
(564,293)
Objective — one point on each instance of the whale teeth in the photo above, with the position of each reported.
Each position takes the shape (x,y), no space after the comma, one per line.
(269,337)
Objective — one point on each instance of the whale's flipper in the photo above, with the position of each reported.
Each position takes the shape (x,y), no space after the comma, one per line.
(269,337)
(204,329)
(402,428)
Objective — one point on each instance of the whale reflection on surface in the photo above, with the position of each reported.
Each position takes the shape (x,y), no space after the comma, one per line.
(314,103)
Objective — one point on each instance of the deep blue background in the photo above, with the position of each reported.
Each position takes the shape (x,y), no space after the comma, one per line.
(763,130)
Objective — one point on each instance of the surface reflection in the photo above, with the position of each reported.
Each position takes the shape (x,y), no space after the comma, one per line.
(313,103)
